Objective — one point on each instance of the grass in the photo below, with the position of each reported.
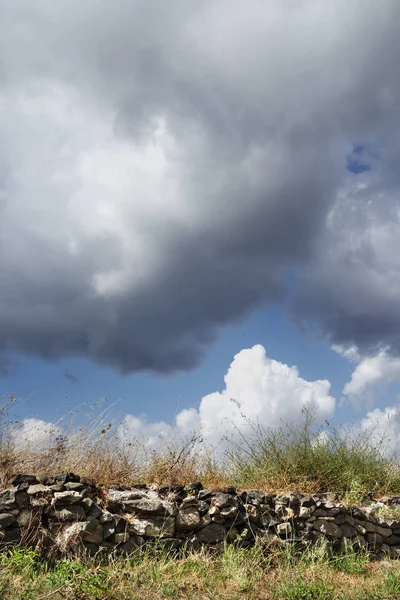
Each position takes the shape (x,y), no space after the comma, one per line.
(294,456)
(300,456)
(233,574)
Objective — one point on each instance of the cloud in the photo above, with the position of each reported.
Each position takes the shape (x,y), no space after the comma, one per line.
(258,390)
(384,428)
(370,374)
(35,433)
(165,168)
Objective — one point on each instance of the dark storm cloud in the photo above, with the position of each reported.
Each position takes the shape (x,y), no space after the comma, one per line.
(163,166)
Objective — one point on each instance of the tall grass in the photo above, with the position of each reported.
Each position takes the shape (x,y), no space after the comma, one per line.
(295,456)
(303,456)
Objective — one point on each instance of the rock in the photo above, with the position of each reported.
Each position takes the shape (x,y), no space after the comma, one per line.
(211,534)
(106,517)
(307,501)
(7,500)
(222,500)
(284,529)
(38,489)
(305,512)
(11,536)
(328,528)
(95,535)
(121,538)
(6,519)
(348,531)
(392,540)
(108,530)
(374,539)
(74,485)
(253,512)
(28,518)
(188,519)
(383,531)
(70,513)
(19,479)
(154,526)
(205,494)
(67,497)
(253,497)
(127,548)
(284,512)
(194,487)
(61,478)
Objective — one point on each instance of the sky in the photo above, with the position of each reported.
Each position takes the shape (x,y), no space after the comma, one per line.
(199,211)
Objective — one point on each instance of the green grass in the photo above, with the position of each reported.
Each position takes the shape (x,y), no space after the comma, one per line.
(235,573)
(308,458)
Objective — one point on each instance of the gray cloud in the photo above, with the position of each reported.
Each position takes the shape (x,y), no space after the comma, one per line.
(163,167)
(70,377)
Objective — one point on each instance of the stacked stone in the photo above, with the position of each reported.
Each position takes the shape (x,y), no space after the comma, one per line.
(65,513)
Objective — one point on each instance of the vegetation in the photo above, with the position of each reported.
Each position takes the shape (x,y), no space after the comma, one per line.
(302,457)
(232,574)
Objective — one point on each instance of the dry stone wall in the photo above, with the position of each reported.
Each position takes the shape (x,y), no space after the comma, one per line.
(66,515)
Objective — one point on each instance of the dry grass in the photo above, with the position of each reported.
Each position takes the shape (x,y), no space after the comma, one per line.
(288,458)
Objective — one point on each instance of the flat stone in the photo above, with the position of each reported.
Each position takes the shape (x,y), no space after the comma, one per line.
(6,519)
(67,497)
(38,489)
(70,513)
(383,531)
(348,531)
(121,538)
(253,497)
(18,479)
(74,485)
(211,534)
(155,526)
(222,500)
(328,528)
(188,519)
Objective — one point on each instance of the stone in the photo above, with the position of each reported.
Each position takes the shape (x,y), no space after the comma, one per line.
(19,479)
(8,500)
(194,487)
(383,531)
(305,512)
(253,497)
(222,500)
(284,512)
(307,501)
(70,513)
(127,548)
(121,538)
(74,485)
(106,517)
(374,539)
(211,534)
(188,519)
(232,534)
(154,526)
(67,497)
(6,519)
(328,528)
(28,518)
(284,529)
(253,512)
(61,478)
(348,531)
(11,536)
(94,536)
(38,489)
(392,540)
(205,494)
(108,530)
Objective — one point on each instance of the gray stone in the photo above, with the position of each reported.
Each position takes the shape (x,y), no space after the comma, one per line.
(253,497)
(383,531)
(393,540)
(28,518)
(38,489)
(307,501)
(153,526)
(18,479)
(188,519)
(6,519)
(374,539)
(348,531)
(74,485)
(121,538)
(328,528)
(284,529)
(70,513)
(7,500)
(211,534)
(67,497)
(93,535)
(108,530)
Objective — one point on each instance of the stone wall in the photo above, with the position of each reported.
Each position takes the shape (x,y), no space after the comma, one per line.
(66,515)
